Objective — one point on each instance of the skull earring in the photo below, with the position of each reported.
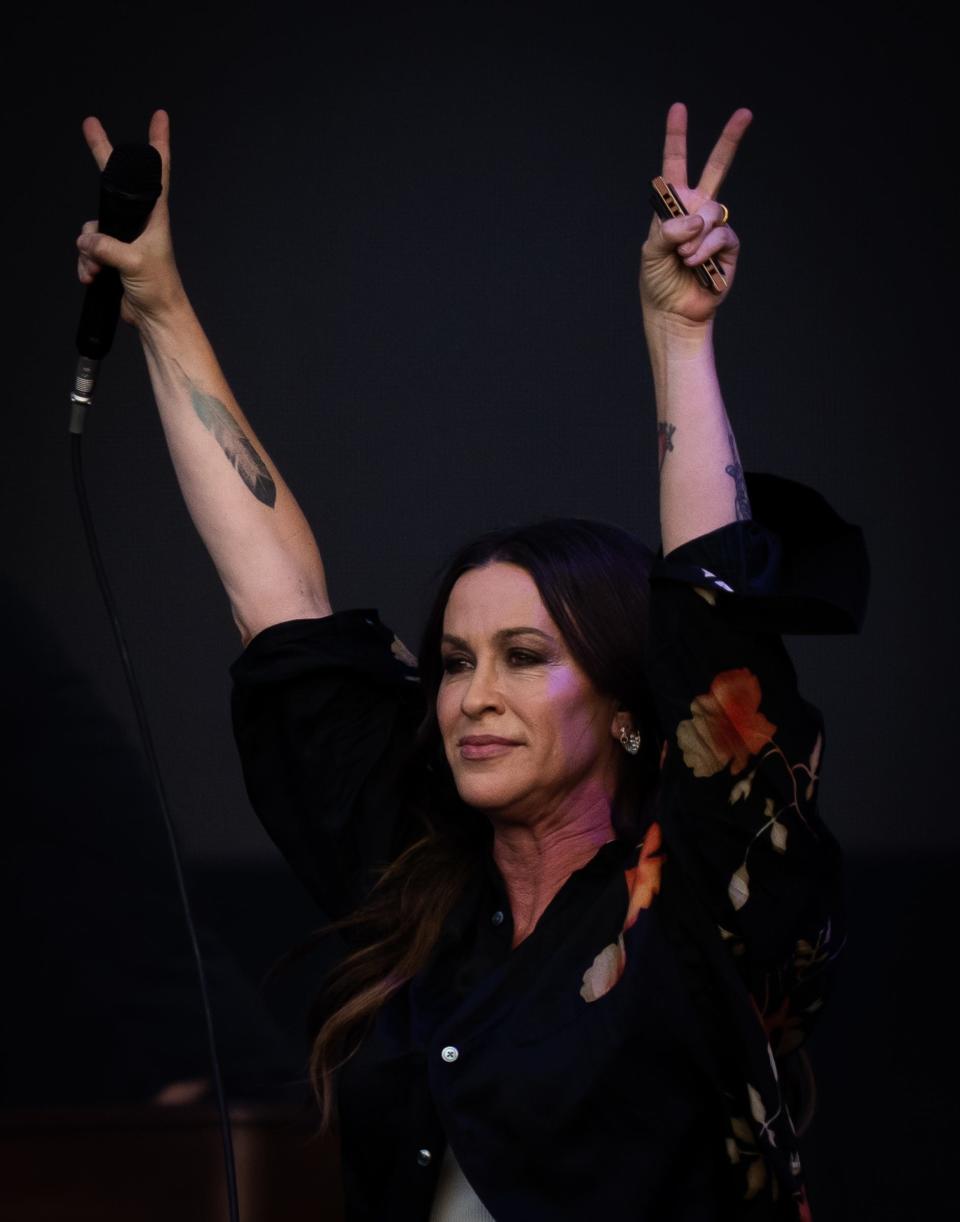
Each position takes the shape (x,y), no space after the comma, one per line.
(630,739)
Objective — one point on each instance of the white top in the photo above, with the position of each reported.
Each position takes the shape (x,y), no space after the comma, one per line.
(455,1200)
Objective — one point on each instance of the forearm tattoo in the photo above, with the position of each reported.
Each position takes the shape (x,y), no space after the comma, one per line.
(735,471)
(231,438)
(665,432)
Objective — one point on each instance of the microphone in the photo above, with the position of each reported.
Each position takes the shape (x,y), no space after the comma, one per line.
(130,185)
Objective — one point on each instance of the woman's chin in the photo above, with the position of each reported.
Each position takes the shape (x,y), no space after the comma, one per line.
(485,792)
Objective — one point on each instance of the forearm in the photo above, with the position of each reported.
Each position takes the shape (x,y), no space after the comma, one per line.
(255,532)
(701,480)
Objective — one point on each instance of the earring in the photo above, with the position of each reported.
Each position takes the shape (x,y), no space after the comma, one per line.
(631,740)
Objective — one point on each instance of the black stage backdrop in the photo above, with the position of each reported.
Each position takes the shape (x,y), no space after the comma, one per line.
(413,235)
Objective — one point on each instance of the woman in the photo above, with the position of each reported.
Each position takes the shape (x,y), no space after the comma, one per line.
(588,902)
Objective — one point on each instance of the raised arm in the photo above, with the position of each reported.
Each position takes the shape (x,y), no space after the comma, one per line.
(701,480)
(252,526)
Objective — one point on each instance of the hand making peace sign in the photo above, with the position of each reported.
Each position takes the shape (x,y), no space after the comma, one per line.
(667,283)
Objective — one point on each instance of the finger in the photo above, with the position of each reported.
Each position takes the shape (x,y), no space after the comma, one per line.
(712,214)
(87,272)
(159,137)
(675,146)
(681,229)
(97,140)
(86,267)
(720,241)
(723,152)
(100,248)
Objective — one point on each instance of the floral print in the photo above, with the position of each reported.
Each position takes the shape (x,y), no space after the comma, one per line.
(400,651)
(604,972)
(643,883)
(745,723)
(729,732)
(727,727)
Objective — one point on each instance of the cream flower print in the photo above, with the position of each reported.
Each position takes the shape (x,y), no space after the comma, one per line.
(400,651)
(742,1147)
(812,768)
(742,788)
(604,972)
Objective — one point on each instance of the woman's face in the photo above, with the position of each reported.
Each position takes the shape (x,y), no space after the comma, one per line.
(507,673)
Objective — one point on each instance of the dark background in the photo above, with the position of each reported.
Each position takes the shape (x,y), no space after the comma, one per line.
(413,238)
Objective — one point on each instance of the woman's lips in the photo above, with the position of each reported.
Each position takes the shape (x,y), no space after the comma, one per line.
(481,749)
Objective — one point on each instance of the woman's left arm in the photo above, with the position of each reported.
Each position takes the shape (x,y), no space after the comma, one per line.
(701,480)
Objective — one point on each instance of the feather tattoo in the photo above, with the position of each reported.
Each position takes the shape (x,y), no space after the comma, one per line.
(233,441)
(735,471)
(665,432)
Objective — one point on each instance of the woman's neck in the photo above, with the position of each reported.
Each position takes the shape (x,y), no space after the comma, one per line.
(536,859)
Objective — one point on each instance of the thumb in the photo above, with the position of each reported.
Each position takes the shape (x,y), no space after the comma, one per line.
(110,251)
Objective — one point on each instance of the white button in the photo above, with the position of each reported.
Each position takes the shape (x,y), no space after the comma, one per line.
(450,1053)
(424,1158)
(497,917)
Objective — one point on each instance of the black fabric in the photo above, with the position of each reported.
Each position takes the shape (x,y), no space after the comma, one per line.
(648,1089)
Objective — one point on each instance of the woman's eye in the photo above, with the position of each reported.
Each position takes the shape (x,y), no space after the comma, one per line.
(454,663)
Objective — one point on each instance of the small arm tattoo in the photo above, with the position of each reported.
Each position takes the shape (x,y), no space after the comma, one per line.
(235,444)
(735,471)
(665,432)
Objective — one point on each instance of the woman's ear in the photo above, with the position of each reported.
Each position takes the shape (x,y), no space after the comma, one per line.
(623,730)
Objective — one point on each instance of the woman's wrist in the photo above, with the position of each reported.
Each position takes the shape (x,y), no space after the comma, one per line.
(675,333)
(173,318)
(676,341)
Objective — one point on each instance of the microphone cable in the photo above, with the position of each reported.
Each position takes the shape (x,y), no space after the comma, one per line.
(146,738)
(130,185)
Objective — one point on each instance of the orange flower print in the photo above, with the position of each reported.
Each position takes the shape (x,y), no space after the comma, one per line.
(643,883)
(727,726)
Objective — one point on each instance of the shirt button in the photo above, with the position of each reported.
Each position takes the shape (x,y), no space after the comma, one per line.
(424,1158)
(450,1053)
(497,917)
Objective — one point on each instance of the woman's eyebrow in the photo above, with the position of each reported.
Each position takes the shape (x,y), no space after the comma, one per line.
(503,635)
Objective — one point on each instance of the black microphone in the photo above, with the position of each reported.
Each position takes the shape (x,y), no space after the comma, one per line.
(130,185)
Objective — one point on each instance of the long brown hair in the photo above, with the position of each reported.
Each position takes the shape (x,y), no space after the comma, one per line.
(593,578)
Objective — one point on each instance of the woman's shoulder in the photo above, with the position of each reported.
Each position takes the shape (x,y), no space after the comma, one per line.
(355,639)
(325,716)
(795,566)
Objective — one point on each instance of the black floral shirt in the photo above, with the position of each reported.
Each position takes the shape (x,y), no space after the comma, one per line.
(628,1059)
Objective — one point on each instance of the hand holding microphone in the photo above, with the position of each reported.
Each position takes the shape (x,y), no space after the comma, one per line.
(126,255)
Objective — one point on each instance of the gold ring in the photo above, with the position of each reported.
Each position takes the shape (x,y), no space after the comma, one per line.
(726,213)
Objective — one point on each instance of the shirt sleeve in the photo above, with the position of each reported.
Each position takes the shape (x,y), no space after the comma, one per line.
(325,712)
(743,750)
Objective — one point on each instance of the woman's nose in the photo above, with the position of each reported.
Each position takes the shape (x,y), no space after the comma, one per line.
(482,692)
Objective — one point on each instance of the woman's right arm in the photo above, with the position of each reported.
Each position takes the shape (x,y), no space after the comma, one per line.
(253,528)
